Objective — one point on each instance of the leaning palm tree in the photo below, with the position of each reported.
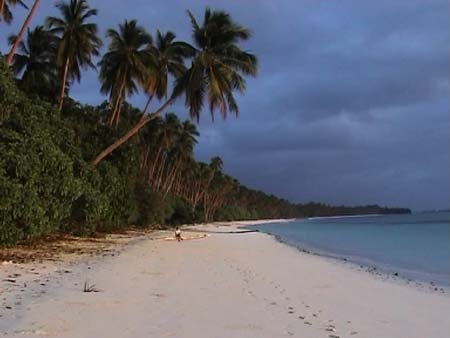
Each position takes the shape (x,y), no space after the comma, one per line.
(5,9)
(217,71)
(34,63)
(125,64)
(18,39)
(167,59)
(78,41)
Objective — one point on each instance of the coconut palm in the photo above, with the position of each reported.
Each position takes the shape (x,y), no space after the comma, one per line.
(218,189)
(170,131)
(167,148)
(124,67)
(78,41)
(182,153)
(18,39)
(34,63)
(5,9)
(217,70)
(167,59)
(216,164)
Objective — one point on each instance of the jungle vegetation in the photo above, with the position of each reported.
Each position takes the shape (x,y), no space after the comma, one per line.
(68,167)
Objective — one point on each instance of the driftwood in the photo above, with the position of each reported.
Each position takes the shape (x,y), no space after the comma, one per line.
(222,232)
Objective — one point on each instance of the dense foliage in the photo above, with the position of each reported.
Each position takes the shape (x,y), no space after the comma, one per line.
(47,183)
(69,167)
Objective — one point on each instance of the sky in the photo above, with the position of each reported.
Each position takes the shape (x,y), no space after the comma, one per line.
(350,105)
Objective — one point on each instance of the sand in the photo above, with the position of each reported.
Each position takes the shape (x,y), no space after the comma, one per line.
(213,285)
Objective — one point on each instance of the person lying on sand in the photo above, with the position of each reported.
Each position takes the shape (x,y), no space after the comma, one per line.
(178,234)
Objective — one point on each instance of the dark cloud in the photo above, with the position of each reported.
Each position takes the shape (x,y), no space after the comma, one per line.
(351,105)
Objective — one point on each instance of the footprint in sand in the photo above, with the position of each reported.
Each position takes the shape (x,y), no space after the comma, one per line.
(307,323)
(353,333)
(330,329)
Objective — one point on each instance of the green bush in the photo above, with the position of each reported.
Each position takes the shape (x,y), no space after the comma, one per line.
(182,212)
(45,185)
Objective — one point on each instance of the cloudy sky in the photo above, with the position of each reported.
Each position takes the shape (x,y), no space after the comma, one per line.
(350,106)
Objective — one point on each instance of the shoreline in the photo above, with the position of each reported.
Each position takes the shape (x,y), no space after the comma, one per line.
(377,270)
(219,285)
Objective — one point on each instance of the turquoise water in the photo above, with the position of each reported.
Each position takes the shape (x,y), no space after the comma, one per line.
(416,246)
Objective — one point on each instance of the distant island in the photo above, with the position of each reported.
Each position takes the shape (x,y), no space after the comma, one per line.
(318,209)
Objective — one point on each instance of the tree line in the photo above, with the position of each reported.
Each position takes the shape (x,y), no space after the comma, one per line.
(70,167)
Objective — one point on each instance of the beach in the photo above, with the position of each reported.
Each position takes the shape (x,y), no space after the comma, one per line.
(216,283)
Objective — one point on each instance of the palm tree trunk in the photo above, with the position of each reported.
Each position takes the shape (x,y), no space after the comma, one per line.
(152,168)
(205,208)
(113,112)
(150,97)
(26,23)
(116,109)
(144,163)
(172,176)
(160,174)
(142,122)
(63,85)
(119,107)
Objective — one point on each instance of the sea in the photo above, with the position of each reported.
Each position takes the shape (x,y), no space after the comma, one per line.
(413,246)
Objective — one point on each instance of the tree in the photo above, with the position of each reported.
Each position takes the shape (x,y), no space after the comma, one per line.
(216,71)
(125,65)
(167,58)
(18,39)
(197,180)
(216,164)
(5,10)
(78,41)
(219,67)
(34,63)
(181,154)
(219,189)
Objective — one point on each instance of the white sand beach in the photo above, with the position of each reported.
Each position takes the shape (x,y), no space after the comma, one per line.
(224,285)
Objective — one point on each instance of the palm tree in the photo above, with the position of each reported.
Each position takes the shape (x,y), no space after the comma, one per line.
(35,63)
(216,164)
(167,58)
(18,39)
(219,67)
(5,11)
(217,71)
(218,191)
(170,131)
(78,41)
(125,64)
(181,153)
